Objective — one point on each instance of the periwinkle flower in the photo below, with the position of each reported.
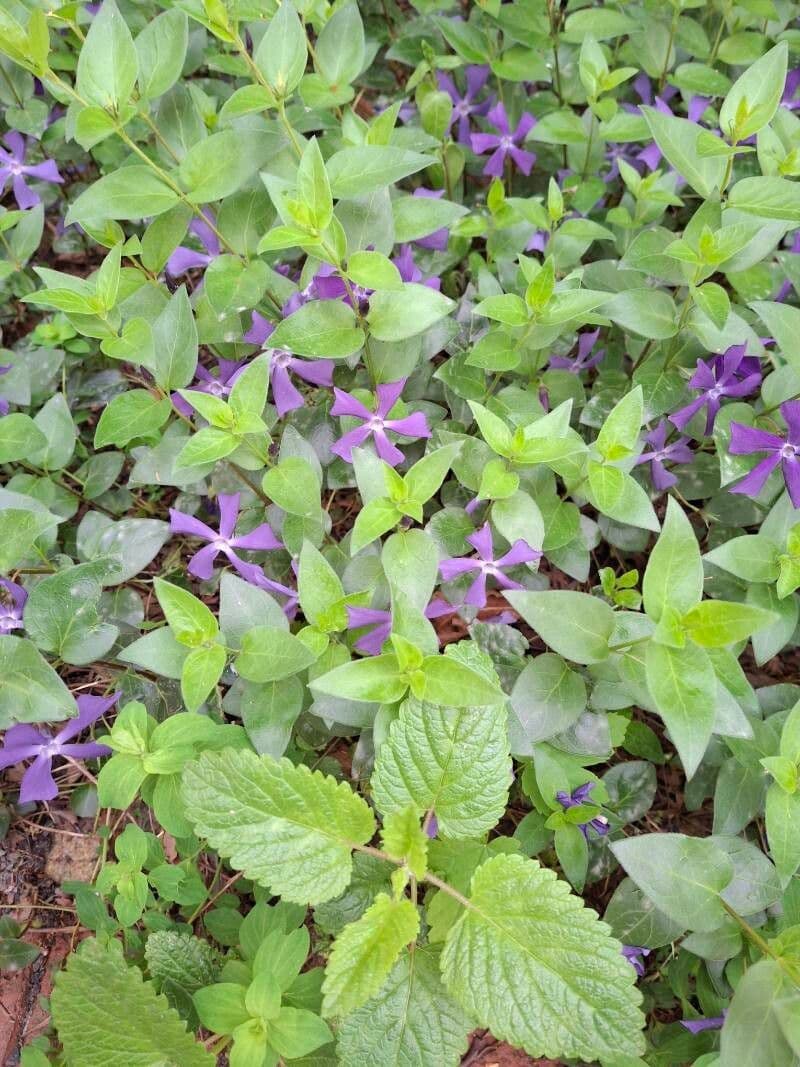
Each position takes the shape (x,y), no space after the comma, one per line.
(660,452)
(410,272)
(12,603)
(26,742)
(465,104)
(792,84)
(205,382)
(785,452)
(282,364)
(184,259)
(634,955)
(575,799)
(201,565)
(255,576)
(374,424)
(486,565)
(586,357)
(505,143)
(731,374)
(697,1026)
(14,168)
(380,624)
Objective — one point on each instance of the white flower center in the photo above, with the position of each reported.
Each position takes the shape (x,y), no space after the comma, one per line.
(507,142)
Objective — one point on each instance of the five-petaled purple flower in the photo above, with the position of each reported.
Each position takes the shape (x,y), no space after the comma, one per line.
(184,259)
(486,565)
(282,363)
(375,423)
(586,357)
(216,385)
(504,143)
(697,1026)
(575,799)
(661,452)
(466,104)
(783,451)
(633,954)
(729,374)
(201,565)
(14,168)
(12,602)
(24,742)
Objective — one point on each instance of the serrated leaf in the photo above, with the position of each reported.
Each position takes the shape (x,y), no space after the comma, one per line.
(284,826)
(365,952)
(182,959)
(453,761)
(411,1022)
(108,1016)
(537,968)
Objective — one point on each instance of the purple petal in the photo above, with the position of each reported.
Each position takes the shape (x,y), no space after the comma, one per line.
(181,523)
(262,539)
(520,552)
(90,709)
(16,143)
(476,77)
(184,259)
(388,395)
(11,755)
(347,404)
(38,782)
(260,329)
(524,126)
(791,475)
(45,172)
(415,425)
(476,594)
(753,483)
(318,371)
(388,452)
(25,197)
(285,395)
(450,569)
(790,412)
(499,119)
(484,142)
(494,166)
(696,1026)
(481,541)
(201,565)
(228,513)
(523,159)
(353,439)
(86,750)
(747,439)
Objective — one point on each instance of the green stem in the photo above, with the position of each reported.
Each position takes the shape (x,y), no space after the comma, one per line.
(763,946)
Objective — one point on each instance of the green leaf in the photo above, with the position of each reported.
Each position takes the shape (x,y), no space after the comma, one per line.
(31,689)
(683,876)
(373,270)
(202,669)
(404,838)
(294,486)
(677,139)
(137,413)
(221,1007)
(96,1033)
(377,678)
(452,761)
(684,687)
(395,315)
(320,591)
(767,198)
(752,557)
(296,1032)
(179,959)
(270,654)
(619,433)
(19,529)
(362,170)
(322,328)
(107,64)
(717,623)
(447,681)
(365,952)
(161,48)
(782,814)
(754,97)
(61,613)
(20,437)
(133,192)
(175,342)
(313,187)
(753,1035)
(575,625)
(372,522)
(281,56)
(283,826)
(650,313)
(547,698)
(674,574)
(412,1019)
(529,962)
(189,618)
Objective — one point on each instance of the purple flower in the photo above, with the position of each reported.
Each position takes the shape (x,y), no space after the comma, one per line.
(216,385)
(486,565)
(381,624)
(255,576)
(789,98)
(584,360)
(676,452)
(577,798)
(633,954)
(184,259)
(14,168)
(26,742)
(281,363)
(410,272)
(327,284)
(12,602)
(262,539)
(431,826)
(464,106)
(4,405)
(697,1026)
(436,241)
(375,423)
(786,452)
(730,374)
(504,143)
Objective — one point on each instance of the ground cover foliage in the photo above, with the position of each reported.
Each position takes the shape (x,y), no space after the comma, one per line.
(400,526)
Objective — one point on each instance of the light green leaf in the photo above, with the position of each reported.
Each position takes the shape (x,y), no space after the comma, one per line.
(270,654)
(752,1035)
(529,962)
(189,618)
(376,678)
(323,328)
(767,198)
(575,625)
(31,689)
(161,48)
(754,97)
(674,574)
(683,876)
(133,192)
(684,688)
(677,139)
(202,669)
(281,55)
(362,170)
(782,815)
(107,64)
(452,761)
(717,623)
(94,1031)
(650,313)
(365,952)
(395,315)
(282,825)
